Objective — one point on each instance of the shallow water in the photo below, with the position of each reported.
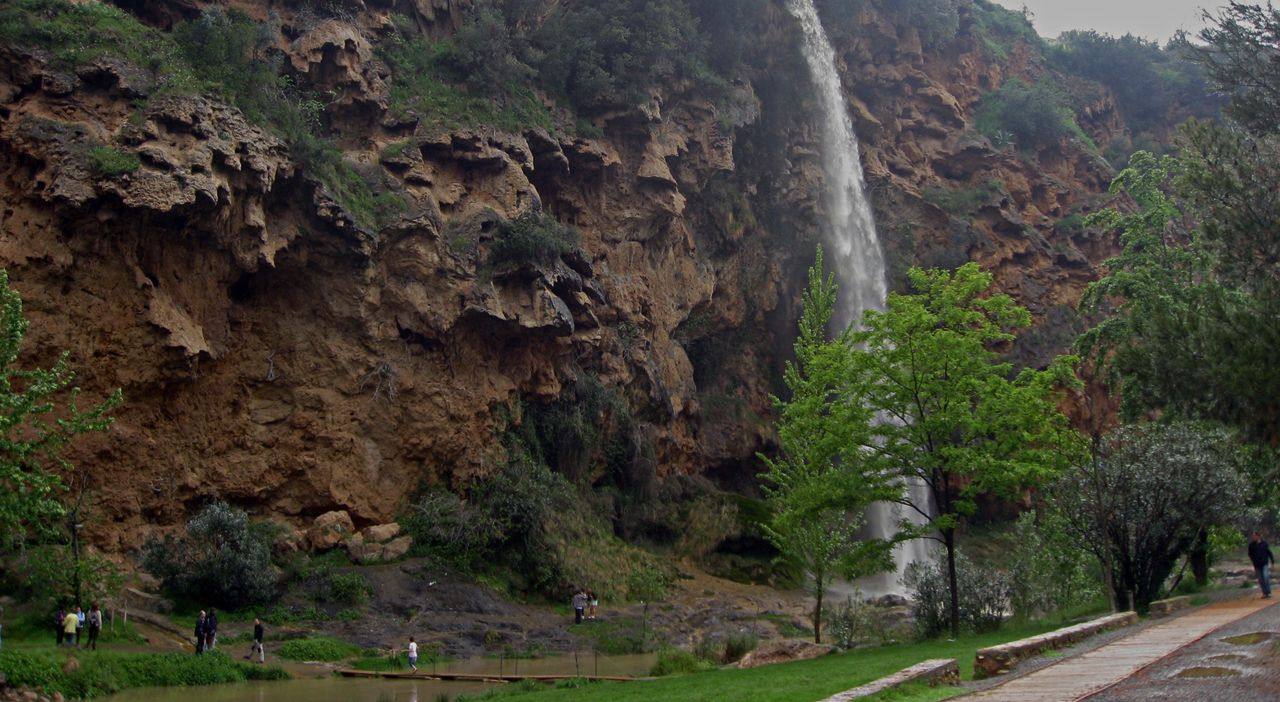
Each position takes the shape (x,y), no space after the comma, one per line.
(317,683)
(328,689)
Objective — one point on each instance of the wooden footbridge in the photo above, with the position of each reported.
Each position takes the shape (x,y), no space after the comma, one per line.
(480,677)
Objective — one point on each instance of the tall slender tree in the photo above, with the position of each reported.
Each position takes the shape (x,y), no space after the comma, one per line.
(818,487)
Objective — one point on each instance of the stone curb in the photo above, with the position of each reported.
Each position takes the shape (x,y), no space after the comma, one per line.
(939,671)
(1001,659)
(1169,606)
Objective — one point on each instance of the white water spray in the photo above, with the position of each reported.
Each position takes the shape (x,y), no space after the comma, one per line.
(855,257)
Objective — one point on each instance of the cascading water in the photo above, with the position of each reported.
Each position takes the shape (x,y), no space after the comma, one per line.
(855,256)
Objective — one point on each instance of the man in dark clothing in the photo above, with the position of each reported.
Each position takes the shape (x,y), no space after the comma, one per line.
(211,630)
(1260,554)
(256,648)
(200,633)
(579,605)
(57,625)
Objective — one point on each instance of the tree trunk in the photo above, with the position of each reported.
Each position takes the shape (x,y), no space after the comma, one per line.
(817,617)
(1199,558)
(949,539)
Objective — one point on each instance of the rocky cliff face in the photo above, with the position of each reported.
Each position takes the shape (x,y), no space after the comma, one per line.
(276,353)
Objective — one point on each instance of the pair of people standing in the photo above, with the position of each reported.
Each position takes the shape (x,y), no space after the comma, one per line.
(206,630)
(1262,558)
(582,599)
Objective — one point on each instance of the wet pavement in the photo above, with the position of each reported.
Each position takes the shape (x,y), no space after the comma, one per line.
(1238,663)
(1116,662)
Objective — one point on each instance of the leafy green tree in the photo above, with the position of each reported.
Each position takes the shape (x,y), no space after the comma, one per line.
(817,486)
(1239,52)
(39,416)
(945,411)
(1142,497)
(1036,114)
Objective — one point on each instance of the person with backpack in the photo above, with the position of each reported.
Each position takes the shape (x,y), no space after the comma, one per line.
(94,622)
(1262,558)
(579,602)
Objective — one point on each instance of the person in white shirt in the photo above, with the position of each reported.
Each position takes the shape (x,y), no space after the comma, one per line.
(413,655)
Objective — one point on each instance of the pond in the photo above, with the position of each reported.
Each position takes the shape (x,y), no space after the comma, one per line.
(314,683)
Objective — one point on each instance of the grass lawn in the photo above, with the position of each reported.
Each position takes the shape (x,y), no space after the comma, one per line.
(790,682)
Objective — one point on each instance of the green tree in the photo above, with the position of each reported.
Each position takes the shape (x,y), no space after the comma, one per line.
(817,486)
(223,558)
(39,415)
(946,411)
(1239,52)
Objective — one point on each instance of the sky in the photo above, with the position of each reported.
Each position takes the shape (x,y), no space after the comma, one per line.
(1150,19)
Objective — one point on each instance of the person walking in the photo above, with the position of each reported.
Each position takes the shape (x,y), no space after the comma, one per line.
(595,602)
(413,655)
(256,646)
(69,623)
(59,620)
(200,633)
(1262,558)
(94,623)
(579,605)
(211,630)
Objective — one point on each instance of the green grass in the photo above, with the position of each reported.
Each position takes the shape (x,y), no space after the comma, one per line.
(318,648)
(109,161)
(106,672)
(615,636)
(804,680)
(420,86)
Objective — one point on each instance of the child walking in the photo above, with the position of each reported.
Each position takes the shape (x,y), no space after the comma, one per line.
(413,655)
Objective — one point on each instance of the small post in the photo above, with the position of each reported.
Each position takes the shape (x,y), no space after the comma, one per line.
(576,670)
(499,665)
(596,651)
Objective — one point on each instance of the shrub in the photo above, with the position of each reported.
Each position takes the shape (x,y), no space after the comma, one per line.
(737,645)
(318,648)
(110,162)
(676,661)
(349,589)
(854,622)
(1035,115)
(936,21)
(964,201)
(531,238)
(1049,571)
(223,559)
(609,53)
(984,596)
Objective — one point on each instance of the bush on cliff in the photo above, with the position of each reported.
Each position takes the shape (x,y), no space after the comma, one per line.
(533,237)
(1037,115)
(224,559)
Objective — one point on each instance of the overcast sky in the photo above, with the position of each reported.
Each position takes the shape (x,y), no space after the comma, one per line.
(1151,19)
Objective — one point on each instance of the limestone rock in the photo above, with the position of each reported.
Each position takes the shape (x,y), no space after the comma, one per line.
(784,651)
(381,533)
(329,530)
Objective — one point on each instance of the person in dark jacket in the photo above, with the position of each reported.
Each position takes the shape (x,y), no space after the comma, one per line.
(1262,558)
(60,617)
(211,630)
(256,647)
(201,631)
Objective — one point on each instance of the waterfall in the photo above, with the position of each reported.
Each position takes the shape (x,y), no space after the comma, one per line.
(853,251)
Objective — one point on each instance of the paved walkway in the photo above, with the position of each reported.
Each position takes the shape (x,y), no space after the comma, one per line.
(1092,672)
(1236,663)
